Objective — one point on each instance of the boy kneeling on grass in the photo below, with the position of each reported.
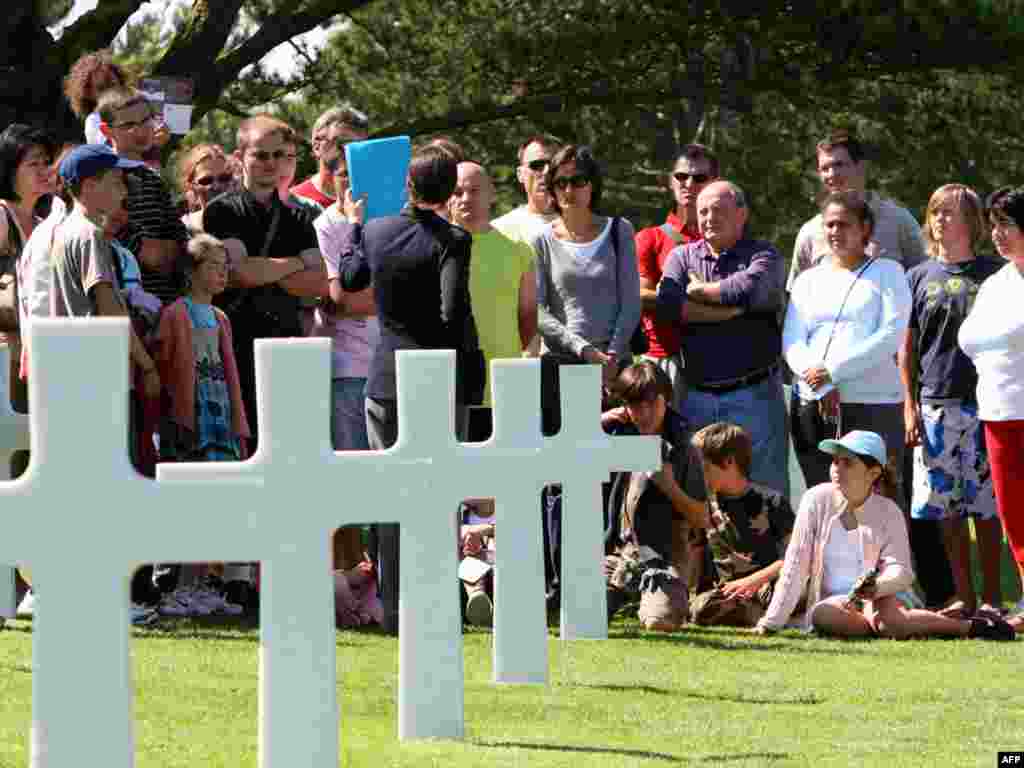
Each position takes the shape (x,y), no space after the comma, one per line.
(748,533)
(648,514)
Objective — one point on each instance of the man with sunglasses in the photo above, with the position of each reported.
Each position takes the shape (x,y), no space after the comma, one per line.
(155,234)
(841,167)
(273,249)
(331,131)
(522,223)
(696,167)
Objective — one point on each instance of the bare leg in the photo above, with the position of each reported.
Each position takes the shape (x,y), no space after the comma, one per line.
(958,550)
(891,619)
(990,549)
(830,618)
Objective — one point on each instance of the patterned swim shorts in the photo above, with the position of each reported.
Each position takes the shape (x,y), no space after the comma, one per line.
(951,472)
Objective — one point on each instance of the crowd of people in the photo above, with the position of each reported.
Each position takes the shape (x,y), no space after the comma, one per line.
(904,352)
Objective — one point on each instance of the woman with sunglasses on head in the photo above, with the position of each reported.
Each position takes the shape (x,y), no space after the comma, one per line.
(203,174)
(844,325)
(849,556)
(588,287)
(992,336)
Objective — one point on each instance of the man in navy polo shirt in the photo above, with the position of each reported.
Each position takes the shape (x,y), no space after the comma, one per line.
(724,293)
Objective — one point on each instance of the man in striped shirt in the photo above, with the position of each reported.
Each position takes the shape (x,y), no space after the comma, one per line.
(155,233)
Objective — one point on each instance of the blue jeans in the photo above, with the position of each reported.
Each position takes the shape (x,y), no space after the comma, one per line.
(348,415)
(759,409)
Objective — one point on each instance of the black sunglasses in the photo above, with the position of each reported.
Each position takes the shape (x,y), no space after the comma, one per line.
(578,181)
(206,181)
(538,165)
(698,178)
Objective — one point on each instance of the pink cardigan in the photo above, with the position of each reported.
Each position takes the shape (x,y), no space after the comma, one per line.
(177,366)
(884,538)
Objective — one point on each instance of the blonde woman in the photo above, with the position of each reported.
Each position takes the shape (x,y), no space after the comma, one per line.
(952,480)
(203,174)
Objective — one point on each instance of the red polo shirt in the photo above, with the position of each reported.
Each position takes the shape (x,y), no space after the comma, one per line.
(308,190)
(653,246)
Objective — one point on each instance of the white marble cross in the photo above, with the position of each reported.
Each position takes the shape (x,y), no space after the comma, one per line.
(13,437)
(82,505)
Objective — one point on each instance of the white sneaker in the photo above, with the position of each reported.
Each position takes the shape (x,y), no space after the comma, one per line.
(143,615)
(27,605)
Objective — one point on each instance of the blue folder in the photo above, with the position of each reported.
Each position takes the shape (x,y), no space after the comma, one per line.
(377,169)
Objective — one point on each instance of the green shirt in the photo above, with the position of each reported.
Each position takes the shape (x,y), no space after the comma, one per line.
(495,272)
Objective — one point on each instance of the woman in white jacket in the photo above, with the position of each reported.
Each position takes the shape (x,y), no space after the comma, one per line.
(993,337)
(845,531)
(844,324)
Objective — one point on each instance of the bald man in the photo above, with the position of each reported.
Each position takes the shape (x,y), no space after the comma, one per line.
(724,293)
(502,283)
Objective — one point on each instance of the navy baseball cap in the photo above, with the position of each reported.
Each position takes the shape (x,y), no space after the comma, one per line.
(87,160)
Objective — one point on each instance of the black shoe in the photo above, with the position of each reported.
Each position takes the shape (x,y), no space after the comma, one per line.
(988,628)
(244,594)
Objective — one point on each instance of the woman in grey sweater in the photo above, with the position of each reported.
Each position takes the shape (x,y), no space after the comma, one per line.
(588,287)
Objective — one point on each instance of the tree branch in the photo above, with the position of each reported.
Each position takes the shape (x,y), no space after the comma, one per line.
(97,28)
(279,28)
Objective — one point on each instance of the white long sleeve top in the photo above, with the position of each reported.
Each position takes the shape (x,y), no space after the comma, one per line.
(993,337)
(861,358)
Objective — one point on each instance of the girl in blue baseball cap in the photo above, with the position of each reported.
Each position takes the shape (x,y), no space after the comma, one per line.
(849,557)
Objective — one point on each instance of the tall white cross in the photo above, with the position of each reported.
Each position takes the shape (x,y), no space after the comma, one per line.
(81,502)
(13,437)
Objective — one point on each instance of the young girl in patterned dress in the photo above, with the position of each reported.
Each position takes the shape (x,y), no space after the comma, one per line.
(204,417)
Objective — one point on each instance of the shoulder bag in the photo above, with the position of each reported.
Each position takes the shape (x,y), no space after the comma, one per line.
(808,423)
(9,315)
(638,341)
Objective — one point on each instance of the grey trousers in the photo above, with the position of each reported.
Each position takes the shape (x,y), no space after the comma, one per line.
(885,419)
(382,432)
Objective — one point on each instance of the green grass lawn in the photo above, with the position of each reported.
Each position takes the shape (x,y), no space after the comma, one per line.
(697,697)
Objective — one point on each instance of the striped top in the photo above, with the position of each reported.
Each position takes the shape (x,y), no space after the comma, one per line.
(152,216)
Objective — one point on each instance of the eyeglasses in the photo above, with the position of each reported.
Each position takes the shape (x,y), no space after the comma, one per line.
(538,165)
(698,178)
(206,181)
(266,157)
(578,181)
(131,125)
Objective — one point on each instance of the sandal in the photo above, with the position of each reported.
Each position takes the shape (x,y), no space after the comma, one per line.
(956,609)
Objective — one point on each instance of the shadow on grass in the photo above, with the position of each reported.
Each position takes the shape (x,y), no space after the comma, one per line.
(231,629)
(638,753)
(805,700)
(627,688)
(799,644)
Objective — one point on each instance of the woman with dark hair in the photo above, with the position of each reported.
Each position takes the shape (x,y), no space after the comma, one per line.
(26,176)
(844,324)
(850,556)
(588,287)
(992,336)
